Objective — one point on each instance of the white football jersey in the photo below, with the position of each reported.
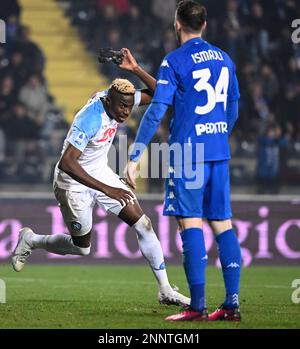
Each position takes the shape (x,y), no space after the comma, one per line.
(92,132)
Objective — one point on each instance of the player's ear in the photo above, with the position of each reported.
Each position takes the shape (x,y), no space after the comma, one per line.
(204,27)
(177,25)
(107,101)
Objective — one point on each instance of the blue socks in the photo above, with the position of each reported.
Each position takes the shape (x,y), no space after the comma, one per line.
(194,262)
(231,260)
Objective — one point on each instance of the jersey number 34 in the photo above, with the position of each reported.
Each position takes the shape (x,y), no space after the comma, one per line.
(217,94)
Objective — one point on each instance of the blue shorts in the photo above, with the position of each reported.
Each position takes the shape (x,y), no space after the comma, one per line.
(211,200)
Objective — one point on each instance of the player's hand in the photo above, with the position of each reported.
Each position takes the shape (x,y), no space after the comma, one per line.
(123,196)
(130,173)
(129,63)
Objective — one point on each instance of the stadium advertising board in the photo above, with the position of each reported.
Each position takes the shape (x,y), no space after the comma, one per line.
(269,232)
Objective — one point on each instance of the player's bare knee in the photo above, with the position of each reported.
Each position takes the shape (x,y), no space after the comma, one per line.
(220,226)
(188,223)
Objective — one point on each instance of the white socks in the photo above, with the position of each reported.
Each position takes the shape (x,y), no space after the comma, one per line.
(59,243)
(149,245)
(152,251)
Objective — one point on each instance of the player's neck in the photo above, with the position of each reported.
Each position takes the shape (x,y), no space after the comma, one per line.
(188,36)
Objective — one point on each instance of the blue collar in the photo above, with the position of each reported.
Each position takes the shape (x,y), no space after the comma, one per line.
(192,41)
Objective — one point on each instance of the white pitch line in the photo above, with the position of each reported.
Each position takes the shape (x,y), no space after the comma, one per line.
(19,280)
(124,282)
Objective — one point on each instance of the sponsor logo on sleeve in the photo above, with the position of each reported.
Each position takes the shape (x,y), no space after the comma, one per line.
(165,63)
(162,82)
(79,138)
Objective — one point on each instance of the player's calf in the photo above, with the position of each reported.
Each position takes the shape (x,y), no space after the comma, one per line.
(152,251)
(61,244)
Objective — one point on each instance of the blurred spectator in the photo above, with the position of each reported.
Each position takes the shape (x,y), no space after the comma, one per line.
(132,24)
(7,99)
(12,27)
(9,8)
(21,126)
(232,27)
(120,6)
(106,32)
(164,10)
(108,18)
(261,108)
(16,68)
(258,36)
(167,44)
(33,57)
(7,96)
(271,144)
(35,98)
(270,82)
(144,6)
(21,133)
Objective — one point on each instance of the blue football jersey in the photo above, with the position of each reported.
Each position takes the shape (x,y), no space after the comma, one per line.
(198,80)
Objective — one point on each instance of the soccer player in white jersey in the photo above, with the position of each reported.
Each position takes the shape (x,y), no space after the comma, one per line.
(83,178)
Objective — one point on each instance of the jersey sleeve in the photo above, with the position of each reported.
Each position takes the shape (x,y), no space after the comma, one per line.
(85,127)
(233,92)
(166,84)
(137,98)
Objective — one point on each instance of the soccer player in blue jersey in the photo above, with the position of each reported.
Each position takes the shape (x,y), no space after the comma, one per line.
(199,81)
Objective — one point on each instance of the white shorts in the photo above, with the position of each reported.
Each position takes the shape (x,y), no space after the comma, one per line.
(77,207)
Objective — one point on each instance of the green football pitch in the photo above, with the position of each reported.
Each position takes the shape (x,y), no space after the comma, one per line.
(122,297)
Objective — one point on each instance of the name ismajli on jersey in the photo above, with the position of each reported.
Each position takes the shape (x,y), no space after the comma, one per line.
(204,56)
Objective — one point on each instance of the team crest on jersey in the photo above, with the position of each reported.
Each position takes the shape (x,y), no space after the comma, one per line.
(76,226)
(161,267)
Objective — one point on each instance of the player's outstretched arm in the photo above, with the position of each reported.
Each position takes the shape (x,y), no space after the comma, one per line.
(70,165)
(129,63)
(145,133)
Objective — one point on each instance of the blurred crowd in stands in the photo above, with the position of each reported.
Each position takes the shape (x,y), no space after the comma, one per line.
(27,112)
(255,33)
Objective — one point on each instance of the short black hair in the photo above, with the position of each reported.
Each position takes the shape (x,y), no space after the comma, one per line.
(191,15)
